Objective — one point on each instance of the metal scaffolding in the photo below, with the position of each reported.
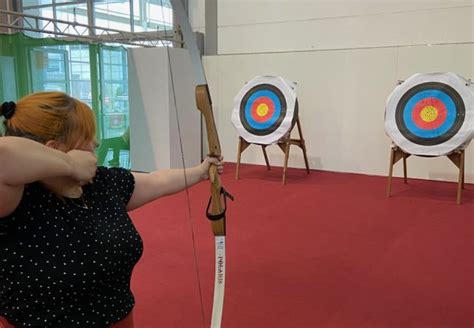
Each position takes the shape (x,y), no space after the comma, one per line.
(15,21)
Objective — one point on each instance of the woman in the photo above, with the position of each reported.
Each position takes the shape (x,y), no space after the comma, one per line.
(67,244)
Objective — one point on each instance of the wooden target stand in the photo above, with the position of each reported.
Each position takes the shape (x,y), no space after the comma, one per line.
(284,144)
(456,156)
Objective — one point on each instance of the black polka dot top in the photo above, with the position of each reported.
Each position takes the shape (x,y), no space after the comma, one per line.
(67,263)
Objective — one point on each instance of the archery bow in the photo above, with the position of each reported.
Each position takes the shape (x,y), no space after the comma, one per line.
(217,203)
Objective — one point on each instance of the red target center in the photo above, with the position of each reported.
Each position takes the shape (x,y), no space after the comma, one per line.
(262,109)
(429,113)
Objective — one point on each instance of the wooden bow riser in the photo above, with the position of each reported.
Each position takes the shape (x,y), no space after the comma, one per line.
(204,105)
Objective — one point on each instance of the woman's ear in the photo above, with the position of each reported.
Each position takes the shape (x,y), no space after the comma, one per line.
(56,145)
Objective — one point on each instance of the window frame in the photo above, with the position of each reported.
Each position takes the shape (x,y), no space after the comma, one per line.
(91,14)
(45,50)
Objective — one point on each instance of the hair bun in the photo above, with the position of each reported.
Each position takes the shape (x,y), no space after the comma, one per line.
(8,109)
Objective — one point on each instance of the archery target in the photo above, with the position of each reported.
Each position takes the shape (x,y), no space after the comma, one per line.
(431,114)
(265,109)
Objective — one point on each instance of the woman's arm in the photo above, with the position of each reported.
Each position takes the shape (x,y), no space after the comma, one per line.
(150,186)
(24,161)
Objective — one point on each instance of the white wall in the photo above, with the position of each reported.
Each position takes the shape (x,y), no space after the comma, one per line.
(197,10)
(346,57)
(155,142)
(270,26)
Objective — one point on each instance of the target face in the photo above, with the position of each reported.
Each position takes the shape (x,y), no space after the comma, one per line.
(428,115)
(264,109)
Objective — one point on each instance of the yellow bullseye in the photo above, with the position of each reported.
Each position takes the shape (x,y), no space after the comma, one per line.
(429,114)
(262,110)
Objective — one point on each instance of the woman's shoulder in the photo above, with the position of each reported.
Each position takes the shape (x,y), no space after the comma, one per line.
(114,177)
(105,173)
(118,180)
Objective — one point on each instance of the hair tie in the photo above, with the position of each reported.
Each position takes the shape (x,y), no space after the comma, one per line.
(8,109)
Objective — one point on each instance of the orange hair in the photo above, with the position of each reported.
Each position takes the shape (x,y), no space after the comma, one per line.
(45,116)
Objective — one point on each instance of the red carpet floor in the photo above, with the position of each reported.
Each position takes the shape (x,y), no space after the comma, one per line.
(327,250)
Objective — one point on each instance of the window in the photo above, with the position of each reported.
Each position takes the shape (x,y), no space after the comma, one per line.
(152,15)
(80,76)
(67,10)
(63,68)
(72,13)
(113,14)
(49,69)
(114,86)
(114,143)
(8,88)
(123,15)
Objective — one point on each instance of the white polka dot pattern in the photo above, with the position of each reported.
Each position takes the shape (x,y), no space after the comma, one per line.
(65,263)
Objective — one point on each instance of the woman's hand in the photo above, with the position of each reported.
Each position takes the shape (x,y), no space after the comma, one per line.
(84,165)
(206,164)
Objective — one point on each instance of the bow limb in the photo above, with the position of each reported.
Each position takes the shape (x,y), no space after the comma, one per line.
(216,208)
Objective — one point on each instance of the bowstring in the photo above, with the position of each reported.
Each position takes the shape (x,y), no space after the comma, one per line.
(188,198)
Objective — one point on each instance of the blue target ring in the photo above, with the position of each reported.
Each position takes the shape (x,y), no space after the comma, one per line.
(430,133)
